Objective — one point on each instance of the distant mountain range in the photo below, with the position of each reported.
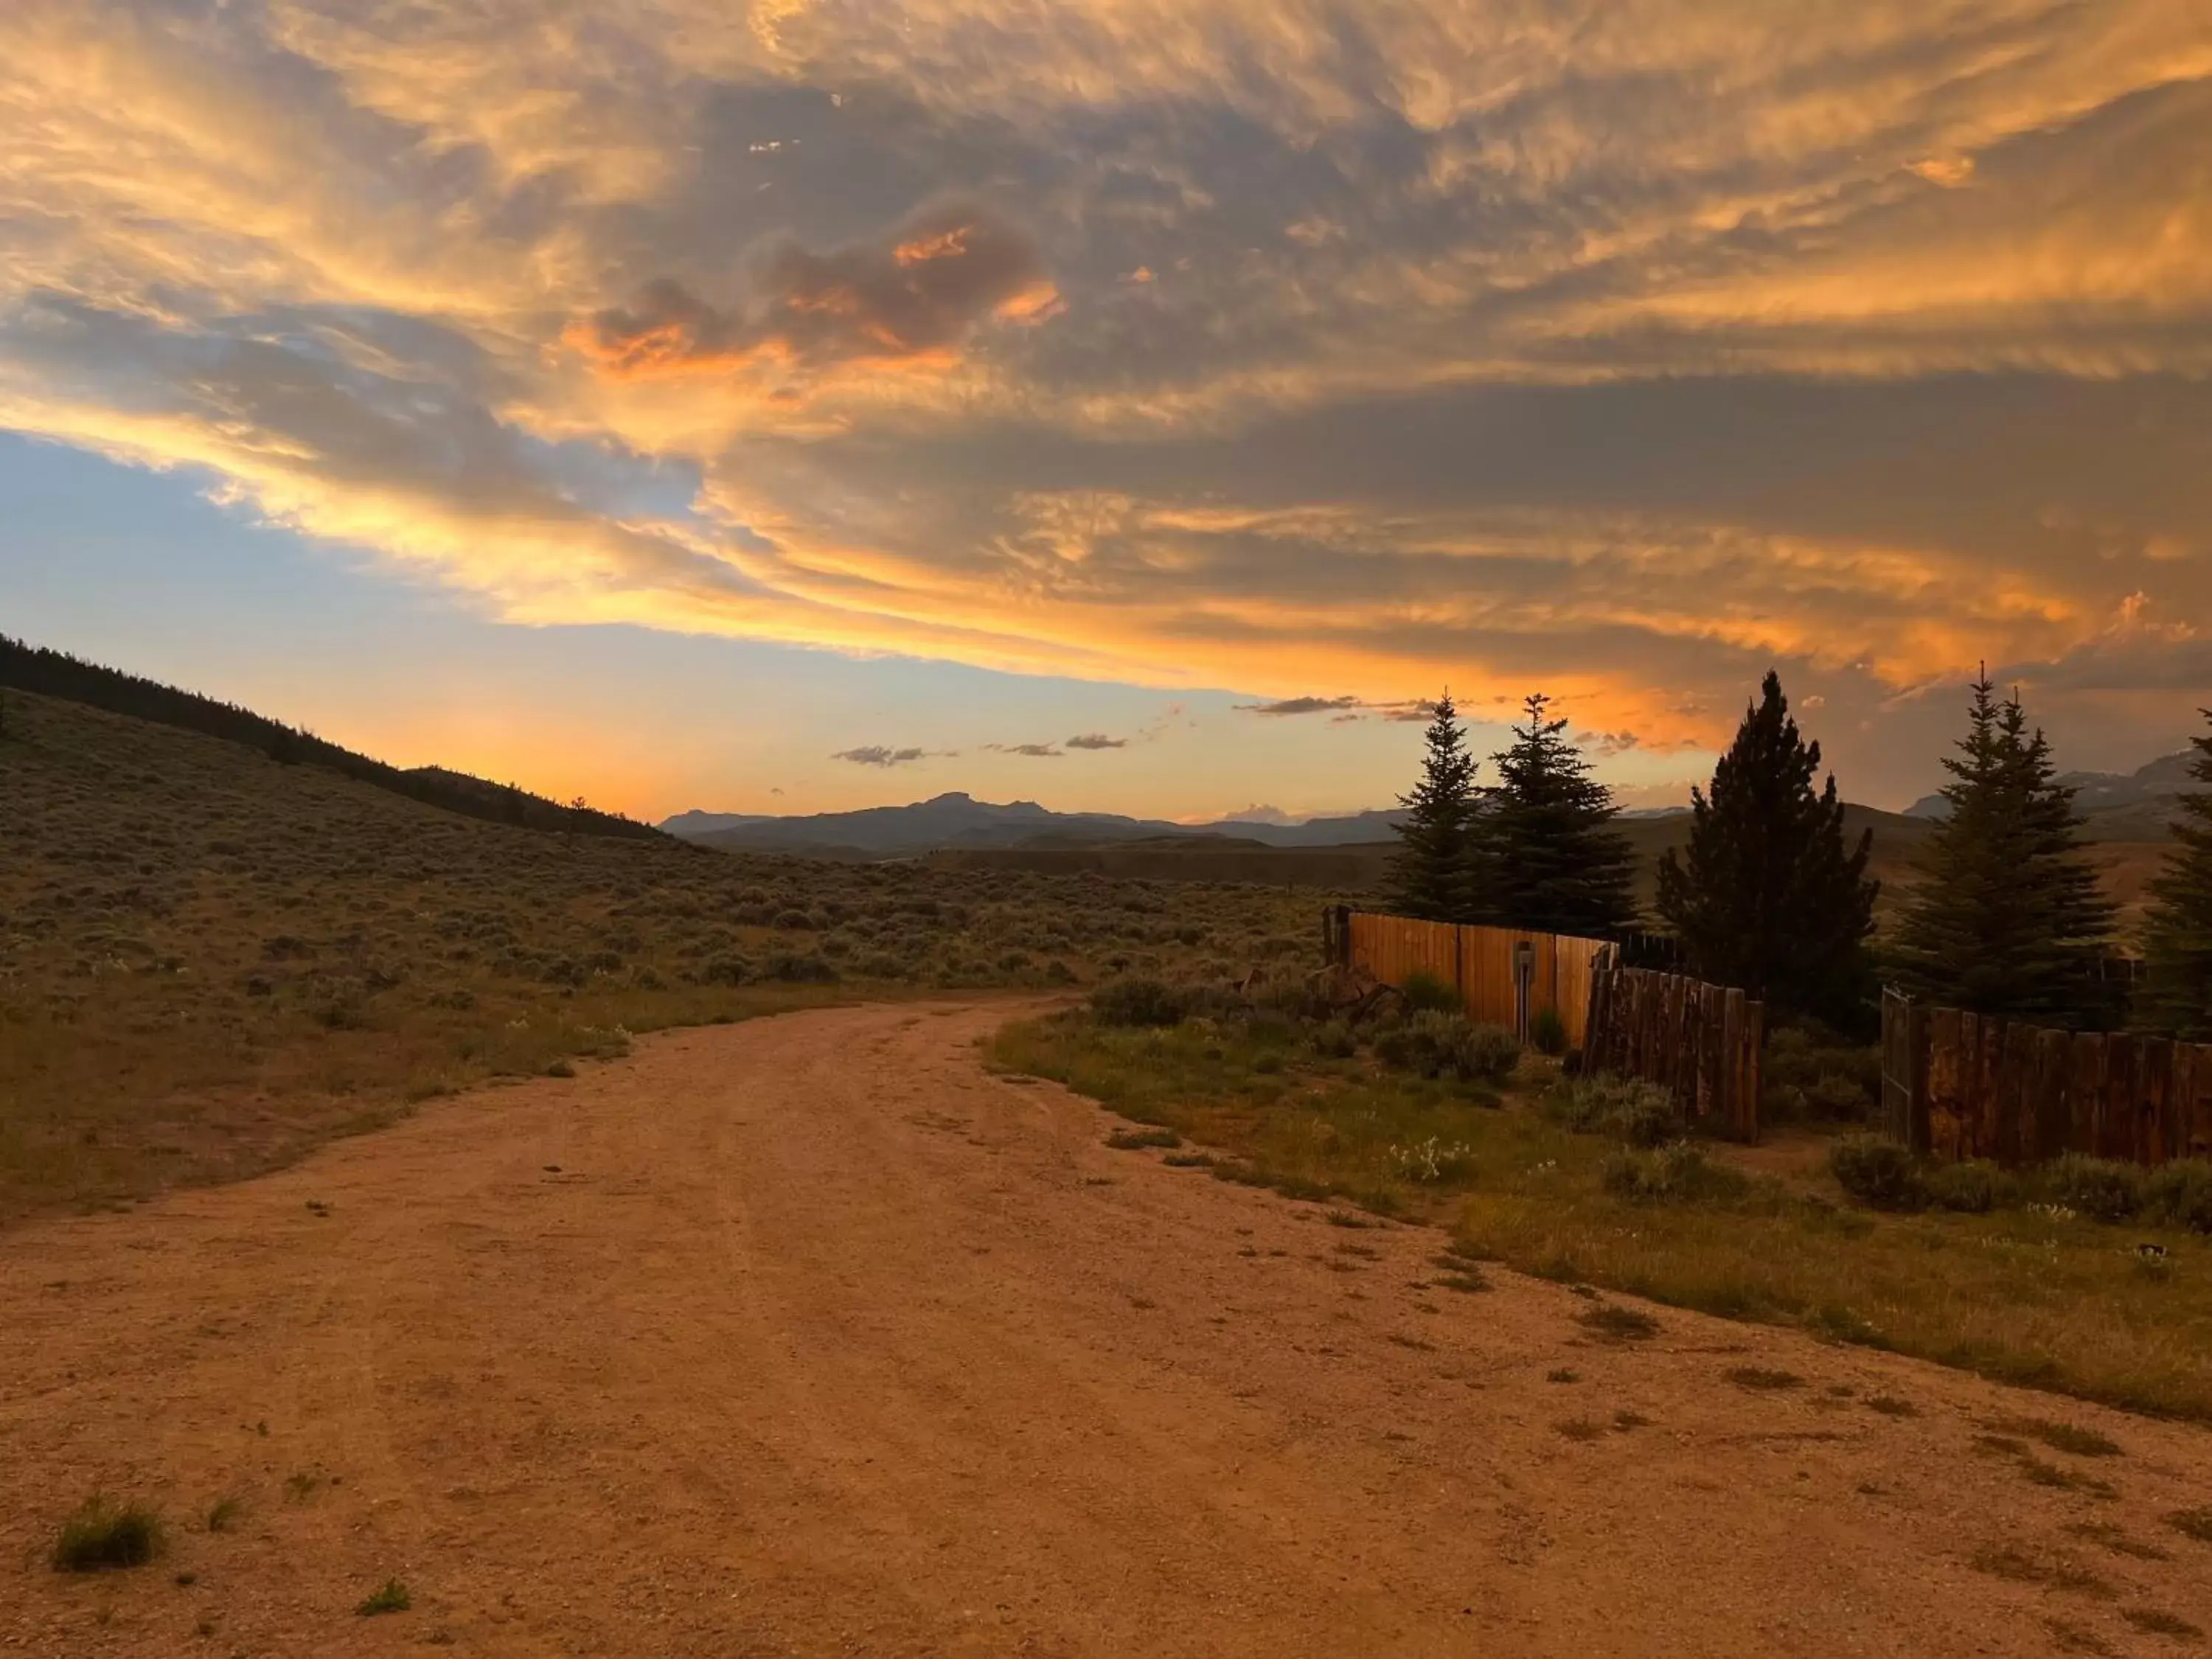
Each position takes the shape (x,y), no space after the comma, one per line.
(959,820)
(2137,806)
(954,822)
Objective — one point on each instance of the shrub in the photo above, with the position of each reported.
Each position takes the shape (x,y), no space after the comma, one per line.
(1641,1114)
(1488,1054)
(1837,1098)
(1139,1002)
(1432,1163)
(1334,1041)
(1680,1174)
(793,967)
(2099,1188)
(2180,1194)
(1548,1032)
(1437,1045)
(1807,1071)
(1877,1172)
(1975,1187)
(102,1535)
(1428,992)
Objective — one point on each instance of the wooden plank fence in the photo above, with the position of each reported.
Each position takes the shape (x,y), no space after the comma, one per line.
(1498,980)
(1700,1042)
(1960,1085)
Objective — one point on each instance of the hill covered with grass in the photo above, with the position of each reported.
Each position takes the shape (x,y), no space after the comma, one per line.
(55,673)
(212,960)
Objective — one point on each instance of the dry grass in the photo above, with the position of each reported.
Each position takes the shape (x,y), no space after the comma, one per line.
(1762,1381)
(2051,1302)
(2025,1569)
(210,962)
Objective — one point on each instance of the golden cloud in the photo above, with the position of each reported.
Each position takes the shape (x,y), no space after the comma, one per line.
(352,258)
(909,298)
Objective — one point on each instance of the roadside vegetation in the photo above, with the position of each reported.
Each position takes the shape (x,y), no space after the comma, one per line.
(212,960)
(1589,1183)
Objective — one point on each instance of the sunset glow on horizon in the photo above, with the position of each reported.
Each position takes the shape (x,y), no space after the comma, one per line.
(665,403)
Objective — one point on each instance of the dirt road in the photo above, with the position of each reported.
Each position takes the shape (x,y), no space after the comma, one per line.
(807,1337)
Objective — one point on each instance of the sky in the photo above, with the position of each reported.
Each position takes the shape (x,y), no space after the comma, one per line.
(1138,405)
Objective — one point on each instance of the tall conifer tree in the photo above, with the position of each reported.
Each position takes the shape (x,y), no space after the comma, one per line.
(1428,874)
(2007,916)
(1551,859)
(2177,934)
(1768,897)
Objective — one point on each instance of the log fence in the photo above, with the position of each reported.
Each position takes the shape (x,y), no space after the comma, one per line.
(1700,1042)
(1961,1085)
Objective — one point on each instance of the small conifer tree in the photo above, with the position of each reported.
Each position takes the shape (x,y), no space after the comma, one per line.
(2007,916)
(1550,857)
(1767,895)
(2178,933)
(1428,874)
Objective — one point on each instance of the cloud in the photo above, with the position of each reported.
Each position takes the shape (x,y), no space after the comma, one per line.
(1032,750)
(1096,740)
(879,755)
(1342,711)
(911,293)
(1623,351)
(1291,706)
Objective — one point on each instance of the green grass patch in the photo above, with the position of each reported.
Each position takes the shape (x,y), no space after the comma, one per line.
(393,1597)
(2049,1300)
(104,1536)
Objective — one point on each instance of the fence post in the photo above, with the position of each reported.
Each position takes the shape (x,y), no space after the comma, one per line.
(1754,1067)
(1946,1065)
(1735,1006)
(2085,1103)
(2014,1061)
(2197,1111)
(1896,1063)
(2117,1138)
(2044,1129)
(1595,1029)
(2154,1093)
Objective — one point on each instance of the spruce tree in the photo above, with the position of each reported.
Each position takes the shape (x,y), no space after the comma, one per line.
(1550,857)
(2178,933)
(1767,897)
(2007,916)
(1429,872)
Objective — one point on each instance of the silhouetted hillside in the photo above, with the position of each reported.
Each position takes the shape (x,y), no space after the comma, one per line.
(57,674)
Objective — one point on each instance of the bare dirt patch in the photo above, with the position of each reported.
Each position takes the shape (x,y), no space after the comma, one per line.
(805,1335)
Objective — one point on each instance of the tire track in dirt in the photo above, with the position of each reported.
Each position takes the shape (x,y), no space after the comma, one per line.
(807,1336)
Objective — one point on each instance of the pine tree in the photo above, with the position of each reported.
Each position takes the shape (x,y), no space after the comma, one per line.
(1551,859)
(1428,874)
(1769,899)
(2178,933)
(2007,916)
